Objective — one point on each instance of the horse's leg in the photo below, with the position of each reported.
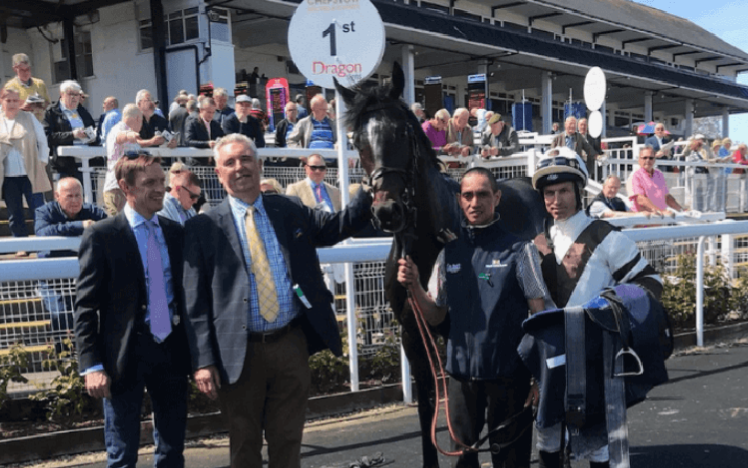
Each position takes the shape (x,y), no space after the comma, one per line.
(424,382)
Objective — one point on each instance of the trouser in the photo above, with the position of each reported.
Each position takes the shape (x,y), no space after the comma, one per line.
(270,396)
(15,189)
(473,404)
(151,366)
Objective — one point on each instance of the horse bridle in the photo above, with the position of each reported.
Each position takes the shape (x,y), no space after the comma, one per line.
(408,174)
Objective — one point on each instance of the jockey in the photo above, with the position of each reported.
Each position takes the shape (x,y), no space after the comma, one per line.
(580,257)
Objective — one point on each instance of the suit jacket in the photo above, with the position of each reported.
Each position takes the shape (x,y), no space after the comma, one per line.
(60,133)
(303,190)
(112,297)
(507,140)
(656,144)
(195,133)
(177,118)
(252,129)
(216,281)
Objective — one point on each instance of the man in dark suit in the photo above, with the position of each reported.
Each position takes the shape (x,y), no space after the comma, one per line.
(241,122)
(657,141)
(576,142)
(257,305)
(129,318)
(201,131)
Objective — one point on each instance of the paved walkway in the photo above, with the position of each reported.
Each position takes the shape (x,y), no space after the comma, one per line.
(699,419)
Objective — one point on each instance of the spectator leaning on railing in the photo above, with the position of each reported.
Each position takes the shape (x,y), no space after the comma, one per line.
(459,134)
(697,151)
(740,156)
(436,129)
(201,131)
(66,216)
(111,116)
(122,138)
(152,122)
(23,157)
(498,139)
(607,204)
(315,131)
(223,110)
(65,123)
(242,122)
(285,127)
(650,193)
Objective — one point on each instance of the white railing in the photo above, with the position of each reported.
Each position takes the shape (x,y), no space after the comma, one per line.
(36,275)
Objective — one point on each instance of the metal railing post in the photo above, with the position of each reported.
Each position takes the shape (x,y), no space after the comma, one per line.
(87,185)
(350,309)
(405,377)
(700,292)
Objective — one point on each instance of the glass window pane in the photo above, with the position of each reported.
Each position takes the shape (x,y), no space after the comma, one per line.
(146,37)
(190,11)
(219,32)
(192,31)
(88,60)
(176,31)
(176,14)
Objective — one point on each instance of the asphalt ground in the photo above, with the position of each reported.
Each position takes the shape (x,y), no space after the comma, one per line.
(698,419)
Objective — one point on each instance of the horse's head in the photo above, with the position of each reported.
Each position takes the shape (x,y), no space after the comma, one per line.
(386,135)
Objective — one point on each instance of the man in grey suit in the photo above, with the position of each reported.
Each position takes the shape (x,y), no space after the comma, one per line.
(257,304)
(576,142)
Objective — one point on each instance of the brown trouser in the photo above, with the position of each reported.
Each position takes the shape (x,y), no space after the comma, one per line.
(271,395)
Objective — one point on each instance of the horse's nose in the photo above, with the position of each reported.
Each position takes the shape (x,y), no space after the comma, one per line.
(391,215)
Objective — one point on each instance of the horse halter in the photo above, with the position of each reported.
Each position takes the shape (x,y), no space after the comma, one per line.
(408,175)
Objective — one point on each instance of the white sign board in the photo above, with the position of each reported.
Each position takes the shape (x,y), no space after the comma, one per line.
(342,39)
(595,124)
(595,88)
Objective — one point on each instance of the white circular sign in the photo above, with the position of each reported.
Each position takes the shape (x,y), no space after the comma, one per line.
(343,39)
(595,124)
(595,88)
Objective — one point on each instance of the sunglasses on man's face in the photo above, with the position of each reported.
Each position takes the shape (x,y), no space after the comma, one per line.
(136,154)
(317,168)
(193,195)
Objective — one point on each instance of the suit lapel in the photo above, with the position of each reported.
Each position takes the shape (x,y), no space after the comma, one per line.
(225,221)
(130,245)
(307,194)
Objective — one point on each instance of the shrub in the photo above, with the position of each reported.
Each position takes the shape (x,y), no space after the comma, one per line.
(11,365)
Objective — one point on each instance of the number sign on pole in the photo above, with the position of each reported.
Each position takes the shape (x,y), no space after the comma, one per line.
(343,39)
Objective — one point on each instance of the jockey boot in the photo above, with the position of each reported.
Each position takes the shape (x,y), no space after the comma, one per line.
(549,460)
(599,464)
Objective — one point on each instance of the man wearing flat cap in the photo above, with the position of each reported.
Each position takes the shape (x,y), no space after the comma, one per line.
(498,139)
(242,122)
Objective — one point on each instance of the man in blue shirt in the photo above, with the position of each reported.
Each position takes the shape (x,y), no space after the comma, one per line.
(313,191)
(66,216)
(179,200)
(316,131)
(129,325)
(109,119)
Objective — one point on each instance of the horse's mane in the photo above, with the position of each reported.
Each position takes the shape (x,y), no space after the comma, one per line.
(377,98)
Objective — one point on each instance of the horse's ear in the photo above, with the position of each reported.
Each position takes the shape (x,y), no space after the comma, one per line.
(398,81)
(347,94)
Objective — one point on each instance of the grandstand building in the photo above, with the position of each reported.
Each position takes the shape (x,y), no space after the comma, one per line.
(659,66)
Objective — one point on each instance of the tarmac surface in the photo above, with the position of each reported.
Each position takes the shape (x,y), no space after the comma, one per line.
(698,419)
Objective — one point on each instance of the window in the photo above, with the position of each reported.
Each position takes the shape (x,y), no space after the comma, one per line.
(179,27)
(83,58)
(219,25)
(464,14)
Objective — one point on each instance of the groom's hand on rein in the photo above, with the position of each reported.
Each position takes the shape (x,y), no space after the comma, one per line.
(407,273)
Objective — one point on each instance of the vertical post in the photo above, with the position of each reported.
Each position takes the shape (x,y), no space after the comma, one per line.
(483,68)
(689,118)
(409,93)
(69,30)
(648,106)
(405,377)
(546,103)
(350,285)
(712,251)
(728,241)
(725,122)
(700,292)
(87,185)
(159,54)
(604,112)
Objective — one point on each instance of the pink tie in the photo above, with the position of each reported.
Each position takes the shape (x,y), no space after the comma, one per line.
(157,302)
(319,193)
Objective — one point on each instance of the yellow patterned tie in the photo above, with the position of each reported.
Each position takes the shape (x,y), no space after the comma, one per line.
(261,268)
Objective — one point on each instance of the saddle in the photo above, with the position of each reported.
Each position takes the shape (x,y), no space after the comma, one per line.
(606,354)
